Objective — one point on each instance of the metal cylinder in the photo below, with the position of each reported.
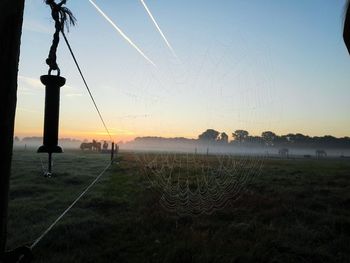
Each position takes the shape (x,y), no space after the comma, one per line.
(52,108)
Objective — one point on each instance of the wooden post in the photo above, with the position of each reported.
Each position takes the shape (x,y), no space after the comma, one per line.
(11,20)
(112,152)
(346,32)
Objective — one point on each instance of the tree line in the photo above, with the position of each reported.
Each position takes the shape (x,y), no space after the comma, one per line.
(269,138)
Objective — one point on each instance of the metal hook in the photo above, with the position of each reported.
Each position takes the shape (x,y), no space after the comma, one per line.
(58,72)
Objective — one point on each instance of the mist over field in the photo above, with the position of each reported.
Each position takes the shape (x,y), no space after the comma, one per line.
(235,150)
(36,142)
(210,148)
(212,142)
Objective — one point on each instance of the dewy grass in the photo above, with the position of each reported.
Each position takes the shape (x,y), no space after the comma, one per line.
(294,211)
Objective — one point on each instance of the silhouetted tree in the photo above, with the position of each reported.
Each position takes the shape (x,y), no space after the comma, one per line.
(269,137)
(290,137)
(255,140)
(301,138)
(223,138)
(283,139)
(209,135)
(240,135)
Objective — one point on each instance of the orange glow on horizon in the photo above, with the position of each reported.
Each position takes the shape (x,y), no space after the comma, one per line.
(100,136)
(126,135)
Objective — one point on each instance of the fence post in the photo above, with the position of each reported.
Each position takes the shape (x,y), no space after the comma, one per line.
(112,152)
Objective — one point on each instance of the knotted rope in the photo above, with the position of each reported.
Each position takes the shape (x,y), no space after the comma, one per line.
(63,17)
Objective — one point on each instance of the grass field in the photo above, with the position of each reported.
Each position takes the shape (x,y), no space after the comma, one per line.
(293,211)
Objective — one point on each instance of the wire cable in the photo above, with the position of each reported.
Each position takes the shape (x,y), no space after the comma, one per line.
(69,207)
(86,85)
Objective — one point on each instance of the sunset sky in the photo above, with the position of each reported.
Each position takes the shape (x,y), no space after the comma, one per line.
(257,65)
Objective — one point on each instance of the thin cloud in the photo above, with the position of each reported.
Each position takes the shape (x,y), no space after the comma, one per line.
(35,26)
(27,110)
(71,95)
(31,82)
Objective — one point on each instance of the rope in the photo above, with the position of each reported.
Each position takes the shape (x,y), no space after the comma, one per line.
(85,83)
(69,207)
(60,15)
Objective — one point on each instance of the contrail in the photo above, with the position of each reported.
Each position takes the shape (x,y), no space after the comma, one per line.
(157,26)
(122,33)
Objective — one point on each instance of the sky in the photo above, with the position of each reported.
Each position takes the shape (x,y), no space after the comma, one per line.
(231,64)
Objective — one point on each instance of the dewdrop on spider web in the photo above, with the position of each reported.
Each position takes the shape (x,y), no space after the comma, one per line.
(191,185)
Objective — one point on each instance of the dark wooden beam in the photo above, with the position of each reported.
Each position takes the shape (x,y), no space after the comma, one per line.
(11,20)
(346,33)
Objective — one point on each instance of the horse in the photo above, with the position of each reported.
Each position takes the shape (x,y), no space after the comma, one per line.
(86,145)
(284,152)
(91,146)
(321,153)
(105,145)
(96,146)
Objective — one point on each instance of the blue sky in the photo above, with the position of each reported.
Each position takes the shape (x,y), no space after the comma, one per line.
(255,65)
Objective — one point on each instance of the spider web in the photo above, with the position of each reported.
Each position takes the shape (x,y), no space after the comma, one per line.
(191,184)
(231,82)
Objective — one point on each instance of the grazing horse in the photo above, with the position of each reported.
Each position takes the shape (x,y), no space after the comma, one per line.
(91,146)
(86,145)
(105,145)
(96,146)
(346,32)
(284,152)
(321,154)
